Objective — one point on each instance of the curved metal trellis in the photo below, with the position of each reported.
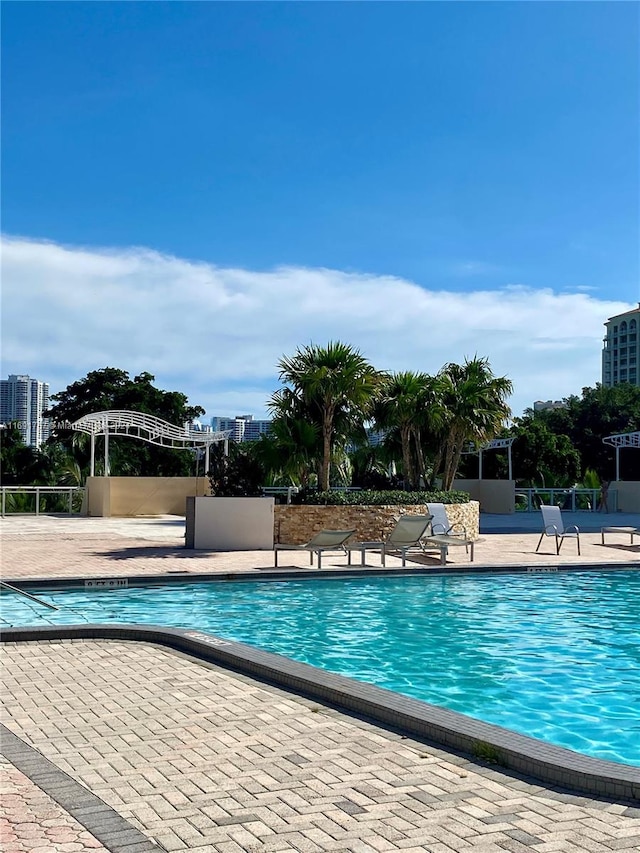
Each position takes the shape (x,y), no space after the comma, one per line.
(496,444)
(145,428)
(623,439)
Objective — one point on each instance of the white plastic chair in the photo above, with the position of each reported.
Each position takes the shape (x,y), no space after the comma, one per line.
(440,523)
(554,526)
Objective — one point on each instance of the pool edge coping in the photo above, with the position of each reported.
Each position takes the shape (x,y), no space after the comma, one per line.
(296,573)
(483,742)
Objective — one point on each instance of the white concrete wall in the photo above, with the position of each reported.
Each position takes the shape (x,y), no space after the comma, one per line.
(628,495)
(230,524)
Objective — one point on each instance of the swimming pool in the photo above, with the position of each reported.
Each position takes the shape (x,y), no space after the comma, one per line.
(555,656)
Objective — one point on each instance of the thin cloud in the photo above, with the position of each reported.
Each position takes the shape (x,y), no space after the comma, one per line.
(217,333)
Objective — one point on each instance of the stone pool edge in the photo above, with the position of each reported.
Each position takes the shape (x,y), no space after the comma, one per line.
(487,743)
(48,583)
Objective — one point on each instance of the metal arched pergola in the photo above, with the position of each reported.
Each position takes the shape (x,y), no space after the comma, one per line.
(145,428)
(623,439)
(496,444)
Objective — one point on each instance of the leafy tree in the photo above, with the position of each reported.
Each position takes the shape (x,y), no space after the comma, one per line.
(239,474)
(20,464)
(333,387)
(111,388)
(586,420)
(541,457)
(473,408)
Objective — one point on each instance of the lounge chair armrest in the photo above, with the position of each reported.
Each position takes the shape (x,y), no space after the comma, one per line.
(552,528)
(572,527)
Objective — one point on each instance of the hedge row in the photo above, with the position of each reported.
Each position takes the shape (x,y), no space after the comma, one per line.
(369,497)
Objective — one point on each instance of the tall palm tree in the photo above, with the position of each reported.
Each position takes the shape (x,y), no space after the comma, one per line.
(399,408)
(335,385)
(474,408)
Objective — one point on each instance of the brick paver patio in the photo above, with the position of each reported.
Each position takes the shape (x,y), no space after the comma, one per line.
(201,759)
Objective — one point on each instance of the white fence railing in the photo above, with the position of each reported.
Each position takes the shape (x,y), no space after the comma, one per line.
(37,500)
(572,500)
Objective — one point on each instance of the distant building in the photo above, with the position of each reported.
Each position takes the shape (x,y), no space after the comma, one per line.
(543,405)
(375,436)
(621,350)
(243,427)
(22,402)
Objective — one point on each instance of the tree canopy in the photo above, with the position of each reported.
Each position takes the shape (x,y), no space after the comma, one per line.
(111,388)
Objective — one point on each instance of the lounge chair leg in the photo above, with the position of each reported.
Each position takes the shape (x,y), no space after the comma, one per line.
(539,541)
(558,544)
(472,546)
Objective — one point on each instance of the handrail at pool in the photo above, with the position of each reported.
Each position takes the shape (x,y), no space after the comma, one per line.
(5,585)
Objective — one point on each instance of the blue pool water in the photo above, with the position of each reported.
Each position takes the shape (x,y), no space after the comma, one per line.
(555,656)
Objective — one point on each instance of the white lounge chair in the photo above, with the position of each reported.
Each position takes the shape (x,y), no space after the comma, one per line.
(325,540)
(554,526)
(445,534)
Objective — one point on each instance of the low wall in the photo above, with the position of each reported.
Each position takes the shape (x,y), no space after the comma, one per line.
(131,496)
(295,525)
(628,492)
(497,496)
(229,524)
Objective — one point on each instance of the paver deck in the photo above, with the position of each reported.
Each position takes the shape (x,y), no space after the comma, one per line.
(201,759)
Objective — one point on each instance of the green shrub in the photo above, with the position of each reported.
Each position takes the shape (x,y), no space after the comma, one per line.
(369,497)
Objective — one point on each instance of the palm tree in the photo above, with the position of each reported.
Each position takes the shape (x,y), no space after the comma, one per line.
(335,386)
(400,408)
(474,409)
(291,451)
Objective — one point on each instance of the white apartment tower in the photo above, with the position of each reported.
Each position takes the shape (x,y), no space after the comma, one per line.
(22,402)
(243,427)
(621,351)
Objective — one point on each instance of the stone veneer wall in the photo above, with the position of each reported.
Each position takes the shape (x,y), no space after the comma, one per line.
(294,525)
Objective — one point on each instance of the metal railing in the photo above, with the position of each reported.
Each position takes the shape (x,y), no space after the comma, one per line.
(39,495)
(572,500)
(11,588)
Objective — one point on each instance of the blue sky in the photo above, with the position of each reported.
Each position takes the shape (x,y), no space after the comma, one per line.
(310,164)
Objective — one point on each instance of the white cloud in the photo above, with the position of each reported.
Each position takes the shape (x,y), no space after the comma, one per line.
(216,334)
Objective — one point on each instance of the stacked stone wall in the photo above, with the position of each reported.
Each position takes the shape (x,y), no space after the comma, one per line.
(294,525)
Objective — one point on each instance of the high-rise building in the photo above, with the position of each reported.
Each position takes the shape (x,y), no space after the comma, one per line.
(243,427)
(22,402)
(621,351)
(544,405)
